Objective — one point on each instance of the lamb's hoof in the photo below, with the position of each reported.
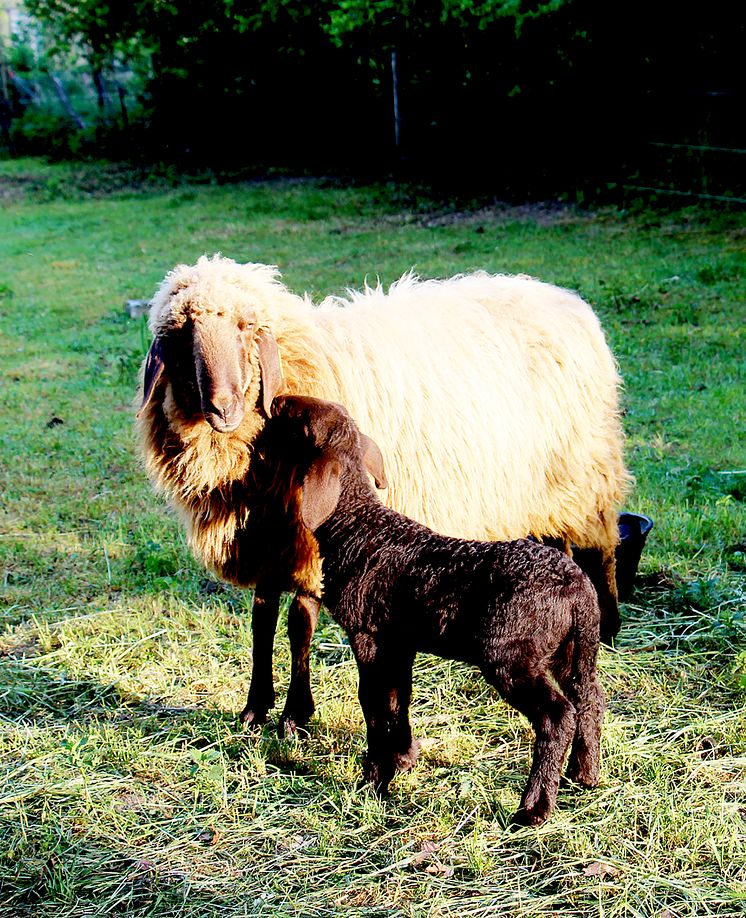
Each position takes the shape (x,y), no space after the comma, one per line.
(252,717)
(531,817)
(374,777)
(364,784)
(406,760)
(376,787)
(580,777)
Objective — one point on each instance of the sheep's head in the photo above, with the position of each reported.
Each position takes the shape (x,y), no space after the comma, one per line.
(211,348)
(324,442)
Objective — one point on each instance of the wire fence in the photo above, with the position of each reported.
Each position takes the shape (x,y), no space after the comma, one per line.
(79,96)
(673,169)
(696,171)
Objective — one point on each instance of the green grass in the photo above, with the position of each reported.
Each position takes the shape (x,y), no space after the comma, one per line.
(128,788)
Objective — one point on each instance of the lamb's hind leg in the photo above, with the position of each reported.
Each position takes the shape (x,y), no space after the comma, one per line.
(263,625)
(581,685)
(299,705)
(583,766)
(553,718)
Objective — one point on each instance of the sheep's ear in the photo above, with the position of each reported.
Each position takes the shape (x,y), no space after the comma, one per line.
(153,371)
(321,489)
(269,367)
(373,461)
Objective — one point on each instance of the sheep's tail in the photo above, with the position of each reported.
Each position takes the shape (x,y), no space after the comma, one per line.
(584,690)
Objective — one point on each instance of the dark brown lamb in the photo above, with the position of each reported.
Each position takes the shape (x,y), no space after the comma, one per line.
(524,613)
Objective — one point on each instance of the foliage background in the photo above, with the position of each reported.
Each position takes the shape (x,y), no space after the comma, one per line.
(512,96)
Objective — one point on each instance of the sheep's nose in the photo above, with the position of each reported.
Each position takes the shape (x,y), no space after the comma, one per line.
(223,404)
(224,411)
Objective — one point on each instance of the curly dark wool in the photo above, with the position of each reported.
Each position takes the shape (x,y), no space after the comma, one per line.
(523,612)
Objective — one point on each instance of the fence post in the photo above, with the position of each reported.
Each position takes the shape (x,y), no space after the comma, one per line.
(122,92)
(395,84)
(66,104)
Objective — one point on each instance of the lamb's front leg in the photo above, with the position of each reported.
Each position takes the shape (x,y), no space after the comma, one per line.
(379,765)
(299,705)
(406,748)
(263,625)
(385,690)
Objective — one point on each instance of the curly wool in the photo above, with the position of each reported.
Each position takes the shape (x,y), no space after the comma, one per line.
(494,399)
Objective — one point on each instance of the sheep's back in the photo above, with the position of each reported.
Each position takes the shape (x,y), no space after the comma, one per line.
(493,399)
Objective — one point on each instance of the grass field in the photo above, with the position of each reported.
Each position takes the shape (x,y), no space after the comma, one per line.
(128,788)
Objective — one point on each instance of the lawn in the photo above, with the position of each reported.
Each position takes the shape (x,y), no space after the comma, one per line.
(128,787)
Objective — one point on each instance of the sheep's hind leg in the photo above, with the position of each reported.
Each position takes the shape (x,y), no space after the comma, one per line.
(553,718)
(299,705)
(263,625)
(600,565)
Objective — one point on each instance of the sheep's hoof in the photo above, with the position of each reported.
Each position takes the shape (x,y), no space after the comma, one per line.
(252,717)
(610,627)
(289,728)
(406,760)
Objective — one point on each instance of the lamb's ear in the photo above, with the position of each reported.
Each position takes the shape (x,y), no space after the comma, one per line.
(269,367)
(321,489)
(373,461)
(153,370)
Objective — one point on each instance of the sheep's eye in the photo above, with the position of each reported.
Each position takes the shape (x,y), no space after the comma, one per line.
(245,325)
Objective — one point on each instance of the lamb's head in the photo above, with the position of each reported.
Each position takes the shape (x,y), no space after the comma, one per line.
(209,343)
(326,448)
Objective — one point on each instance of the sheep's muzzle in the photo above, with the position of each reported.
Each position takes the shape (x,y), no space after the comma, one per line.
(223,411)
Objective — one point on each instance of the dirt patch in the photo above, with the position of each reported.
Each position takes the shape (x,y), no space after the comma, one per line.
(70,182)
(14,188)
(540,213)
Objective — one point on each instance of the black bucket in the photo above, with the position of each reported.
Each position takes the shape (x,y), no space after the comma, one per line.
(633,531)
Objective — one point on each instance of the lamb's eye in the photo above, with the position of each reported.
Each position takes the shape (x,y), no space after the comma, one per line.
(245,325)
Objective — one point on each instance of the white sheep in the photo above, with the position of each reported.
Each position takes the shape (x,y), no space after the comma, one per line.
(494,399)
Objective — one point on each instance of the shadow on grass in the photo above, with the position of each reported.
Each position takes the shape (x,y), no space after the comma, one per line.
(51,700)
(30,694)
(686,616)
(153,778)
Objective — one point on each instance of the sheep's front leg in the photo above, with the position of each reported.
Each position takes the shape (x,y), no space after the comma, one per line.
(263,625)
(299,706)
